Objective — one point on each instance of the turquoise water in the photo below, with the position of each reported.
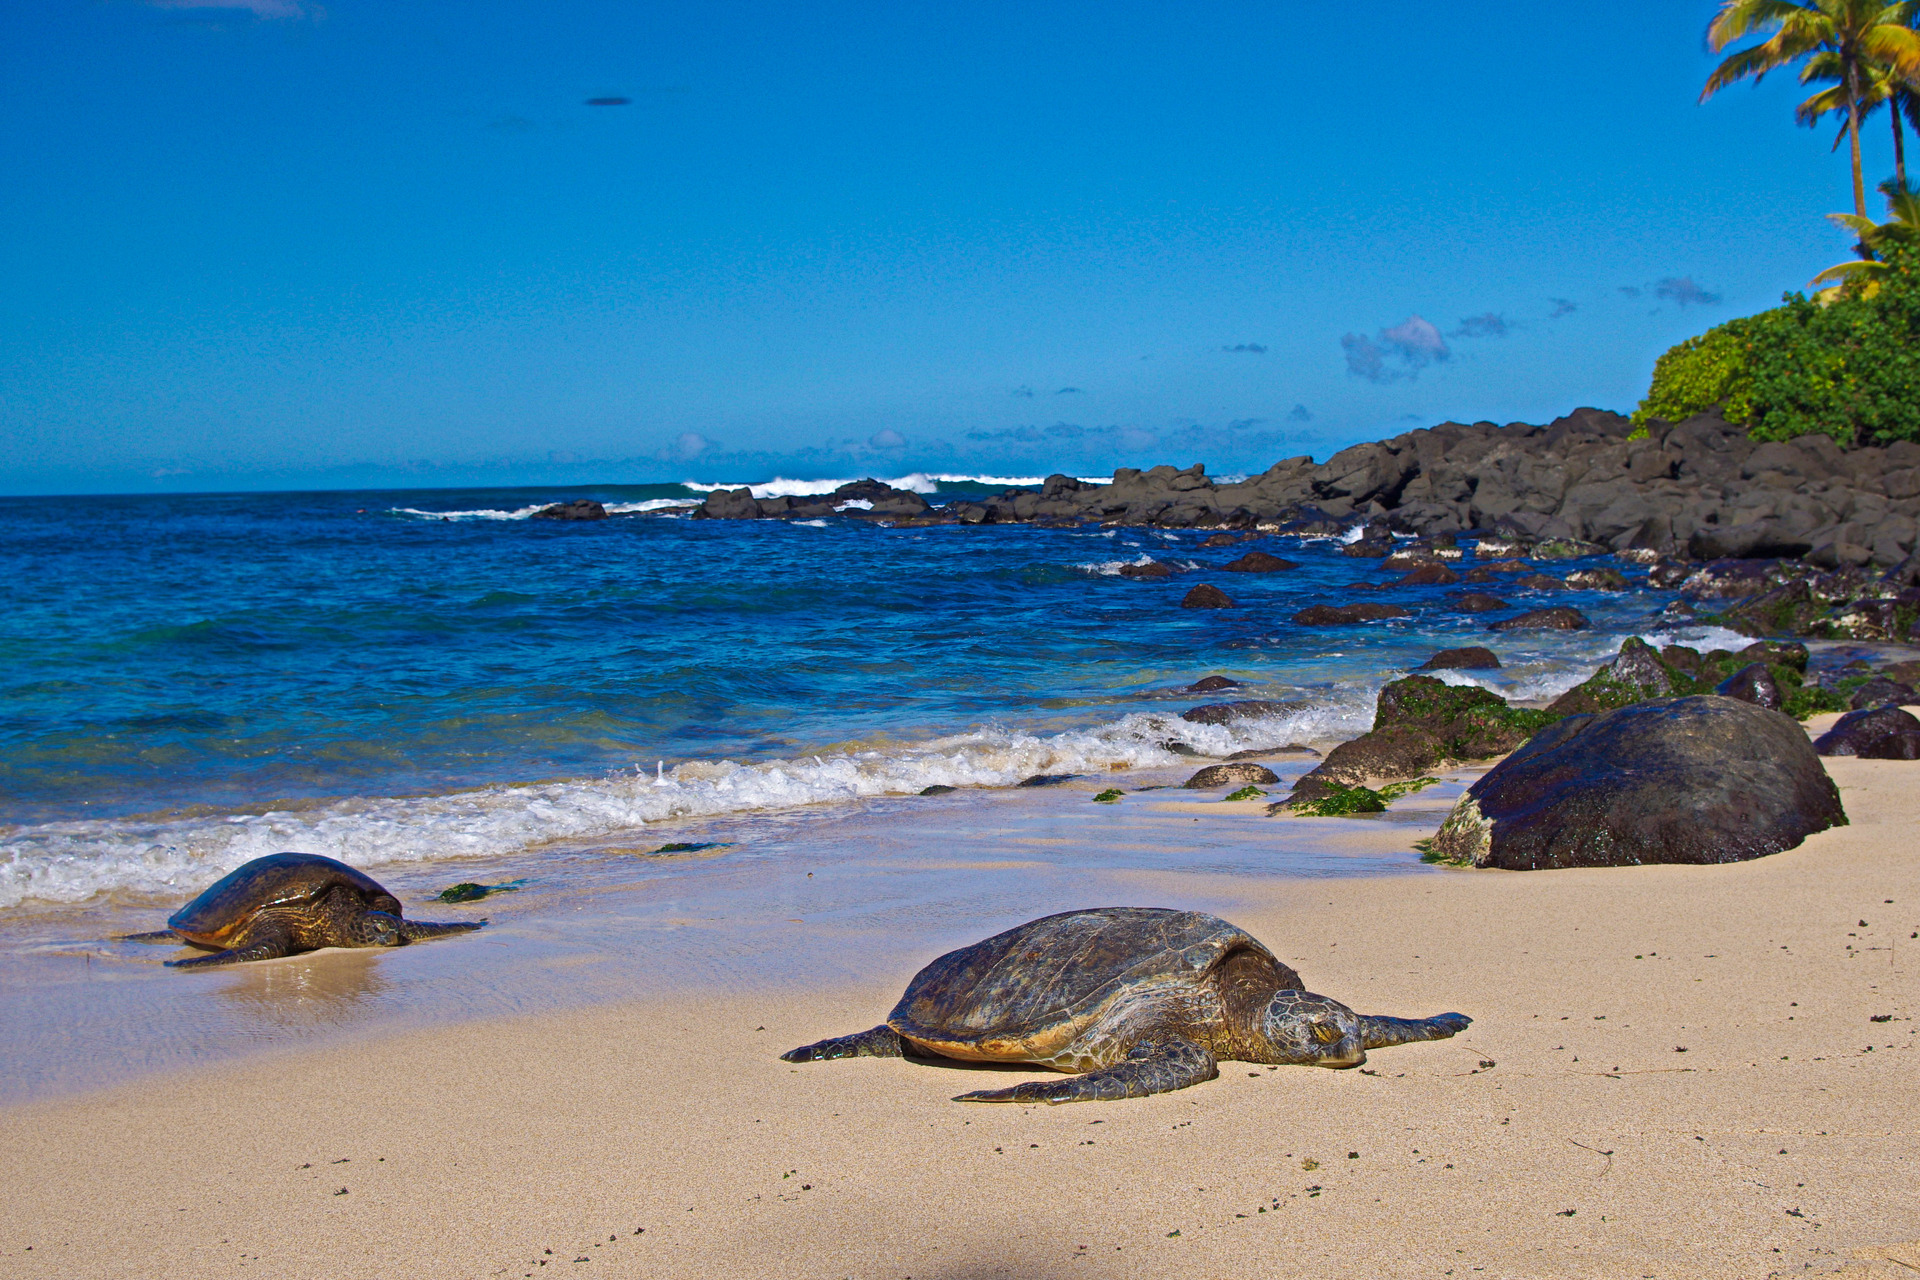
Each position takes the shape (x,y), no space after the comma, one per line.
(190,681)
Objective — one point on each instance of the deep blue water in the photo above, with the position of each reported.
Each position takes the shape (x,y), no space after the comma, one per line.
(176,670)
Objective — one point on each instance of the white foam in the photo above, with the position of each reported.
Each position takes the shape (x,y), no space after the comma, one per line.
(1112,568)
(1703,638)
(67,862)
(527,513)
(921,482)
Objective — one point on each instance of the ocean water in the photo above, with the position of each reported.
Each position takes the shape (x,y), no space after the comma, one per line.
(430,676)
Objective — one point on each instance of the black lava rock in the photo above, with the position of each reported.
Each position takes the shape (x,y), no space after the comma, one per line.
(1883,733)
(1327,615)
(1687,780)
(1753,683)
(1471,658)
(1558,618)
(578,509)
(1207,596)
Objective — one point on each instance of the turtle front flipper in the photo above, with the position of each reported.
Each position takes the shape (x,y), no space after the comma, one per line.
(1379,1033)
(419,930)
(881,1042)
(159,937)
(1171,1064)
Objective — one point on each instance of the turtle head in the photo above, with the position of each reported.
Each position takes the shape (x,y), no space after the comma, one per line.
(1309,1030)
(382,929)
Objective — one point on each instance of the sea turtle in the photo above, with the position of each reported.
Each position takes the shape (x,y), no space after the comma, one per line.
(1136,1000)
(288,902)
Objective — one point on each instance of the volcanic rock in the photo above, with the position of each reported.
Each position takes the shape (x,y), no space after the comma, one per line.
(1688,780)
(1326,615)
(1221,775)
(1470,658)
(1753,683)
(578,509)
(1258,562)
(1475,602)
(1227,712)
(1211,684)
(1882,733)
(1207,596)
(1559,618)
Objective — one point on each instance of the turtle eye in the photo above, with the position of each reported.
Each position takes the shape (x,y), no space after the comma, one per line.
(1325,1034)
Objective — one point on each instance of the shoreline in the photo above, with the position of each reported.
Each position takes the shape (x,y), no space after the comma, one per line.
(471,1148)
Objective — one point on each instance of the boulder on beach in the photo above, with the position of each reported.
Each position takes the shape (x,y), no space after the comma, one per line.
(1689,780)
(1222,775)
(1211,684)
(1478,602)
(1882,733)
(1558,618)
(1046,780)
(1881,692)
(1207,596)
(1258,562)
(578,509)
(1470,658)
(1328,615)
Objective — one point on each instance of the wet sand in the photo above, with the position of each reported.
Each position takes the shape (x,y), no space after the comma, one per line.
(1673,1072)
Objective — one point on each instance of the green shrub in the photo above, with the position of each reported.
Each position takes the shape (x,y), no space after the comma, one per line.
(1850,370)
(1704,372)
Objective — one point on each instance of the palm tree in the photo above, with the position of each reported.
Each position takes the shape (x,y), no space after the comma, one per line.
(1858,36)
(1885,87)
(1876,239)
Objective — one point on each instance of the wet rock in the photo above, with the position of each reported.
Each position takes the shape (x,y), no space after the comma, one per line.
(1046,779)
(1881,692)
(1151,571)
(1904,672)
(1667,574)
(1470,658)
(1729,579)
(1540,582)
(1503,548)
(1677,780)
(1429,575)
(1211,684)
(578,509)
(1600,579)
(1760,539)
(1868,620)
(938,789)
(1882,733)
(1326,615)
(1221,775)
(1420,723)
(1558,618)
(1475,602)
(1207,596)
(1753,683)
(1227,712)
(1370,547)
(1783,653)
(1267,753)
(1636,674)
(1223,540)
(1258,562)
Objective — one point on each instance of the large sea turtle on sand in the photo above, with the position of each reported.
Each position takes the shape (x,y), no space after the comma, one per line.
(288,902)
(1135,1000)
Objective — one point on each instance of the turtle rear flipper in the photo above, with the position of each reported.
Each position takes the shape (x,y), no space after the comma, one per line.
(1379,1033)
(159,937)
(266,944)
(881,1042)
(1172,1064)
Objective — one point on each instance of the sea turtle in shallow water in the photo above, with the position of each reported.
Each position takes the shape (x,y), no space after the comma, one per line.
(1134,1000)
(288,902)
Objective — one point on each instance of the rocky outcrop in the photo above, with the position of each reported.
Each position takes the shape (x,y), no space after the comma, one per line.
(1227,712)
(1690,780)
(1258,562)
(578,509)
(869,498)
(1883,733)
(1222,775)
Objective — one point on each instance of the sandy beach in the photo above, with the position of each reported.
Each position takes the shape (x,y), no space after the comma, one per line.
(1673,1071)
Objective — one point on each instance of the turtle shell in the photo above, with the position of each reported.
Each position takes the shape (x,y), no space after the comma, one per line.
(275,880)
(1023,994)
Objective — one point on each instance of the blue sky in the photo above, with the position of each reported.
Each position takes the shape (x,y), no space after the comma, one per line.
(280,245)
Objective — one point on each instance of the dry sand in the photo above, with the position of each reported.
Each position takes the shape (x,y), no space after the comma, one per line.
(1674,1071)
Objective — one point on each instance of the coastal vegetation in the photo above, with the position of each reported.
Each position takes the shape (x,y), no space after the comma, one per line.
(1841,363)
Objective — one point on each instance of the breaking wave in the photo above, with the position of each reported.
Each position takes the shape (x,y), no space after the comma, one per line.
(71,862)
